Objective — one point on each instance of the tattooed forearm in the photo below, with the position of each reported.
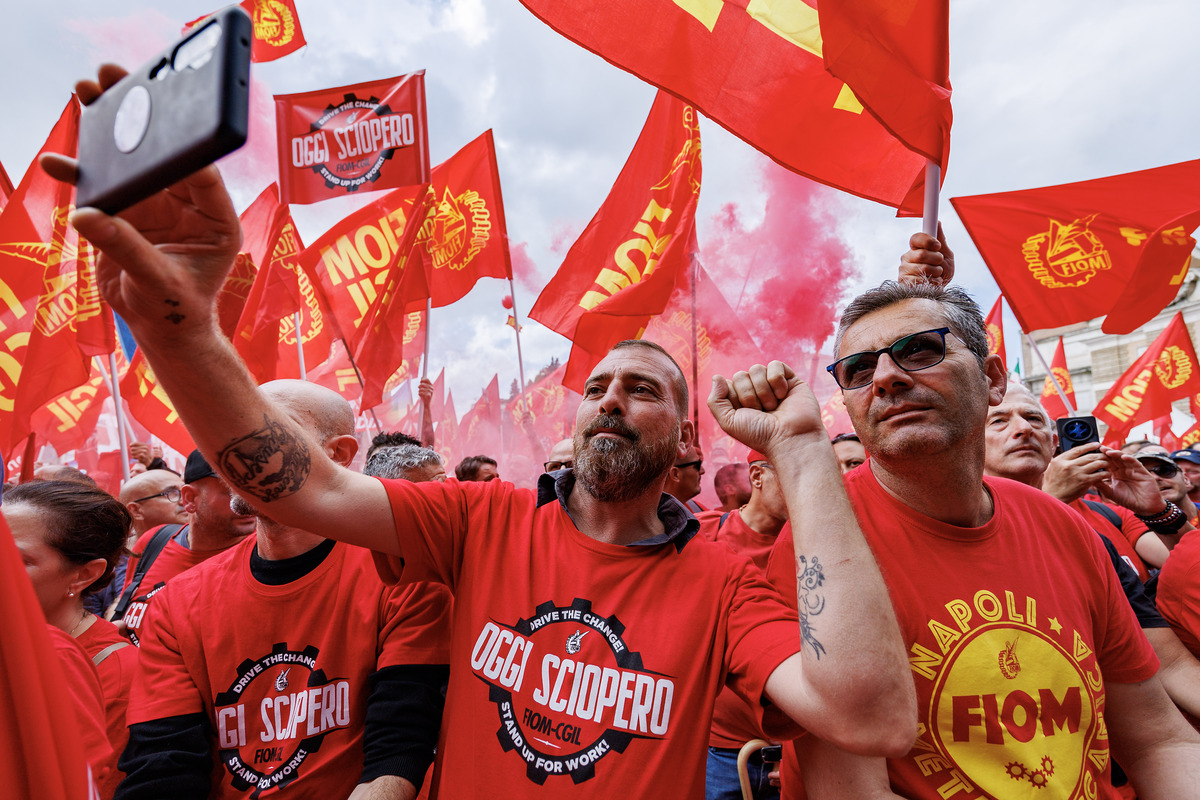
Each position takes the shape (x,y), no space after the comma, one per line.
(269,463)
(174,317)
(809,578)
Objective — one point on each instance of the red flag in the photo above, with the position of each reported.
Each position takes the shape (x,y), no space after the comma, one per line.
(479,430)
(625,264)
(1162,431)
(1116,246)
(757,69)
(834,416)
(276,28)
(545,414)
(446,440)
(148,404)
(1190,437)
(1050,397)
(43,756)
(350,260)
(995,332)
(896,58)
(69,420)
(52,319)
(466,237)
(379,342)
(6,187)
(1166,372)
(371,136)
(338,373)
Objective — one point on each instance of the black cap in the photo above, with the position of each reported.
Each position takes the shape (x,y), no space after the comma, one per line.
(1163,457)
(197,468)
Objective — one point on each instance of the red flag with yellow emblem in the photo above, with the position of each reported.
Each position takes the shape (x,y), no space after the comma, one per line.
(479,430)
(994,325)
(625,265)
(1116,247)
(68,420)
(1051,401)
(277,30)
(1190,437)
(758,69)
(545,414)
(52,318)
(466,237)
(1166,372)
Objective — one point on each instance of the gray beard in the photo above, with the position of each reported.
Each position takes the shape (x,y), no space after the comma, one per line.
(616,470)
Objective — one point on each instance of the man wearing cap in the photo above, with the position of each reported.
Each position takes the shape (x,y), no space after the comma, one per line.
(1188,461)
(751,531)
(212,528)
(1174,487)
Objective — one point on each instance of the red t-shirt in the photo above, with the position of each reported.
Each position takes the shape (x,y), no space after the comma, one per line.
(1008,627)
(82,685)
(579,666)
(734,722)
(172,560)
(1117,536)
(282,671)
(1179,591)
(116,673)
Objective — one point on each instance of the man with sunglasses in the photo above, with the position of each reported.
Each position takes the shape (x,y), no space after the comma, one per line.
(1018,632)
(1173,483)
(683,479)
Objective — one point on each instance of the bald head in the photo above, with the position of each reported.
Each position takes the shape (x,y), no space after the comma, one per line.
(146,498)
(149,482)
(319,410)
(562,455)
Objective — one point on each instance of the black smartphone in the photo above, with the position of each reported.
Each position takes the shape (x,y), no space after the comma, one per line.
(1075,431)
(179,112)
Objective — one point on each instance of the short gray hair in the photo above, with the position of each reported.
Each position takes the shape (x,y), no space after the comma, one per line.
(963,316)
(397,461)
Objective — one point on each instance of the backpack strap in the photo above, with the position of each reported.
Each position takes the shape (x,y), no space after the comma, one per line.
(721,522)
(108,651)
(1100,508)
(153,547)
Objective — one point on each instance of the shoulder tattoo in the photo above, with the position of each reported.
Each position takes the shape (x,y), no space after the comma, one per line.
(269,463)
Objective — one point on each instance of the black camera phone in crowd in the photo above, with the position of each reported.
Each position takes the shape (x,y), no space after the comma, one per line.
(179,112)
(1075,431)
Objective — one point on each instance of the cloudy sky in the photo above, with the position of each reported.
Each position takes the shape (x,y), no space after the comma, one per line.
(1044,93)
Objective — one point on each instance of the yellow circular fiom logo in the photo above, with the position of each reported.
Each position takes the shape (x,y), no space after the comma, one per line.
(1013,711)
(1173,367)
(274,23)
(994,337)
(1064,379)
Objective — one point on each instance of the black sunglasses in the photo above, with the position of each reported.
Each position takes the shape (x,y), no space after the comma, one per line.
(551,466)
(912,353)
(697,463)
(1160,468)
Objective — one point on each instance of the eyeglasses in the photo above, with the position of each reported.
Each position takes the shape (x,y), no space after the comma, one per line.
(1160,468)
(913,353)
(698,463)
(173,494)
(551,466)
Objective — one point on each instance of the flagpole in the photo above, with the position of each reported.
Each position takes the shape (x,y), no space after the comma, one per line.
(1050,374)
(425,358)
(933,181)
(122,433)
(512,293)
(362,383)
(300,348)
(695,356)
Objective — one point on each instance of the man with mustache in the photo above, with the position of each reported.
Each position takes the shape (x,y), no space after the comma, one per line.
(591,630)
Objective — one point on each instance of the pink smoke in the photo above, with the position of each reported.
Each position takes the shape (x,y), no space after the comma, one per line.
(255,166)
(525,271)
(128,41)
(784,276)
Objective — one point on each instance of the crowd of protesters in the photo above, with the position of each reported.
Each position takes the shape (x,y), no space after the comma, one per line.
(939,605)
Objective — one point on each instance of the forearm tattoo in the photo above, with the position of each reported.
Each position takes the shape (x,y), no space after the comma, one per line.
(174,316)
(269,463)
(809,578)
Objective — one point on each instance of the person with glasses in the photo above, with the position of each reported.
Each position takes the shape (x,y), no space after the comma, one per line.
(152,499)
(1173,484)
(1019,632)
(683,479)
(561,456)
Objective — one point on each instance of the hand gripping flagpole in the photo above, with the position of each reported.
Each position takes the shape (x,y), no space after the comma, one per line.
(1053,378)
